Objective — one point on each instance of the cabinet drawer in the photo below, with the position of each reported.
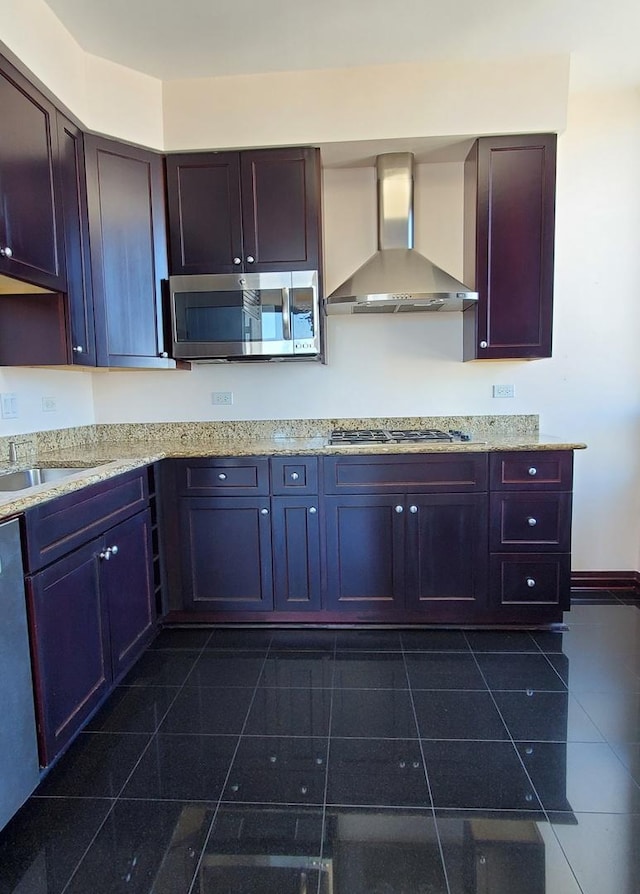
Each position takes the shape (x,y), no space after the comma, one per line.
(445,473)
(523,521)
(60,525)
(294,475)
(533,579)
(233,476)
(532,470)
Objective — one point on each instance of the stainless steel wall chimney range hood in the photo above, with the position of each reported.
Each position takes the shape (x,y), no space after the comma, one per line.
(397,278)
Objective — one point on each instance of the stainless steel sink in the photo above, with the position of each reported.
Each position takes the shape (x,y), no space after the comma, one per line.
(31,477)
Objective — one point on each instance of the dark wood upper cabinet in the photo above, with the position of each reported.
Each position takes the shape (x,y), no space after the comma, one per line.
(76,242)
(30,212)
(125,191)
(244,211)
(509,246)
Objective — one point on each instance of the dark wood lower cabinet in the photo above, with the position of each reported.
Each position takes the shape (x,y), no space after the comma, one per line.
(295,531)
(226,553)
(91,616)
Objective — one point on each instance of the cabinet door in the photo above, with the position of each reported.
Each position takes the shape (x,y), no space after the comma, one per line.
(296,553)
(447,554)
(509,246)
(70,641)
(226,553)
(203,195)
(76,242)
(125,190)
(127,586)
(281,209)
(30,214)
(365,541)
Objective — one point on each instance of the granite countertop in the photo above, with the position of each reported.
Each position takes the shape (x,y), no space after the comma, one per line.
(102,452)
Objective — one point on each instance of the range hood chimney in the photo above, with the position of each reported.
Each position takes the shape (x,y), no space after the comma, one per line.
(397,278)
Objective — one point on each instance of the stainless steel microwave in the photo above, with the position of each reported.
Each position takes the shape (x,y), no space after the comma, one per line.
(250,316)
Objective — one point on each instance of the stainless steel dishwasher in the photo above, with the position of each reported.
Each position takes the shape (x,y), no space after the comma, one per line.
(19,770)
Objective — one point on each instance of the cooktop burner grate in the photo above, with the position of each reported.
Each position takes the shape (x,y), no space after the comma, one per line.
(392,436)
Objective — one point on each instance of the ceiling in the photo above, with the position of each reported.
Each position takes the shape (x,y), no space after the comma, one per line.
(206,38)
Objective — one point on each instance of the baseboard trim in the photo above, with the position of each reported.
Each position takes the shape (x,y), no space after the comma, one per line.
(606,580)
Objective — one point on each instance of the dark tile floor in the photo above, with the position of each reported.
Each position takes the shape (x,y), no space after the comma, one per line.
(352,762)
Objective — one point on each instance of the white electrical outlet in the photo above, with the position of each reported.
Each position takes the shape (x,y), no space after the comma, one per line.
(49,405)
(9,405)
(222,398)
(504,390)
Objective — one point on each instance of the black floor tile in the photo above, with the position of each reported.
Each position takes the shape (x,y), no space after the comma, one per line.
(264,849)
(134,709)
(301,640)
(183,768)
(293,669)
(277,711)
(545,717)
(382,772)
(500,641)
(43,843)
(370,670)
(481,775)
(145,846)
(385,851)
(161,668)
(95,766)
(374,713)
(550,641)
(434,641)
(437,670)
(368,641)
(457,715)
(520,672)
(494,852)
(181,638)
(278,770)
(208,710)
(249,640)
(226,669)
(580,776)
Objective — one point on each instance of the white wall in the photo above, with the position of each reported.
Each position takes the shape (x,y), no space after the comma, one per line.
(72,392)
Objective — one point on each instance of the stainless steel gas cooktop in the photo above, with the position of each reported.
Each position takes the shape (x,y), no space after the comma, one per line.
(394,435)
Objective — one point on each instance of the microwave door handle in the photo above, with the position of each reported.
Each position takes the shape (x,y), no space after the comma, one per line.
(286,314)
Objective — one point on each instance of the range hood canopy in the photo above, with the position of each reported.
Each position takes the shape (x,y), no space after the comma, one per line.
(397,278)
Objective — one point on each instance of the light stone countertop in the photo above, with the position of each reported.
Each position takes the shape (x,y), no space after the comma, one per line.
(102,456)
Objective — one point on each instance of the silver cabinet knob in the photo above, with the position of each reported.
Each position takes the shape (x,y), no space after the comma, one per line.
(237,261)
(77,349)
(106,554)
(531,582)
(532,522)
(114,550)
(250,259)
(6,252)
(312,510)
(264,512)
(294,476)
(222,476)
(163,354)
(533,471)
(399,509)
(484,344)
(413,509)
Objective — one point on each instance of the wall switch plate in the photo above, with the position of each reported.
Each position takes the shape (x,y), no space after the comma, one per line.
(222,398)
(504,390)
(49,405)
(9,405)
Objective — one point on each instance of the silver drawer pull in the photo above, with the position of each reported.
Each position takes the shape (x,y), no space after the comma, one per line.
(532,522)
(531,582)
(222,476)
(413,509)
(114,550)
(399,509)
(6,252)
(312,510)
(106,554)
(533,471)
(264,512)
(294,476)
